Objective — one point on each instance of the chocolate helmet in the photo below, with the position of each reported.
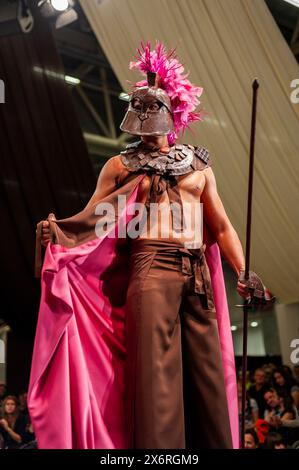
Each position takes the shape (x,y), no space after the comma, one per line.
(150,111)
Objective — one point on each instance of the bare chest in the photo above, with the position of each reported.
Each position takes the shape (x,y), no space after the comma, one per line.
(190,187)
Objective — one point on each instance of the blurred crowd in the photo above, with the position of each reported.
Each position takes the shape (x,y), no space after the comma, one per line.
(271,416)
(272,407)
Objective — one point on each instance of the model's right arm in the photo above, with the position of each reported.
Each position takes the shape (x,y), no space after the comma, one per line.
(106,184)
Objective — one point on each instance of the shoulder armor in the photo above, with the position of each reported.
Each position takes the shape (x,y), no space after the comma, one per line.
(201,158)
(177,160)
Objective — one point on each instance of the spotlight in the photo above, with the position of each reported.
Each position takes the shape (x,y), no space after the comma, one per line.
(254,324)
(59,12)
(60,5)
(234,327)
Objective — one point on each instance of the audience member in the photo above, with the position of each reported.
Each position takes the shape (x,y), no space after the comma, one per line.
(251,440)
(12,424)
(284,382)
(274,440)
(251,408)
(257,390)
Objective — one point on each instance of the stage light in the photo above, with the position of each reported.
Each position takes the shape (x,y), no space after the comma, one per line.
(60,5)
(72,80)
(234,328)
(60,76)
(293,2)
(59,12)
(254,324)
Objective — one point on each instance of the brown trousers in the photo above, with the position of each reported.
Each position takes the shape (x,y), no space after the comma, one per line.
(175,393)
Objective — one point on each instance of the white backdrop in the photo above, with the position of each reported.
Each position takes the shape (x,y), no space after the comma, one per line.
(225,44)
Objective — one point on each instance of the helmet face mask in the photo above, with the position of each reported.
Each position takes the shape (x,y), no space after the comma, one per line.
(149,113)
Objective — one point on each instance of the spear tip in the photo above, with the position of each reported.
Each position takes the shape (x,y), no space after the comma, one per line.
(255,83)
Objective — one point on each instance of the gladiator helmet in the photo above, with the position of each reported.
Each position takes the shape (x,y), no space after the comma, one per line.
(164,103)
(150,111)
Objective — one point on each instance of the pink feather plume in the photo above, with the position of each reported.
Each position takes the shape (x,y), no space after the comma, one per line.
(183,95)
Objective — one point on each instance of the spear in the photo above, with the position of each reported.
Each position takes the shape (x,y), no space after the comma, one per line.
(246,305)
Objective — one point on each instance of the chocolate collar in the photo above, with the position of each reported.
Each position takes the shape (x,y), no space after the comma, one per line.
(178,161)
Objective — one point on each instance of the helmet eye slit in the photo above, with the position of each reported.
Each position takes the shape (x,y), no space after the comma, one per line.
(137,104)
(154,107)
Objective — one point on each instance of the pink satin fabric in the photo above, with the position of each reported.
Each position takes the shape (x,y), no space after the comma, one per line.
(224,328)
(76,391)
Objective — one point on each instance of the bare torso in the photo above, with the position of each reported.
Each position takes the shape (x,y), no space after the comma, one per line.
(190,186)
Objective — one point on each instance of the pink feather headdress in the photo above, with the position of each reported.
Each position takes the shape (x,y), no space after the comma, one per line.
(183,95)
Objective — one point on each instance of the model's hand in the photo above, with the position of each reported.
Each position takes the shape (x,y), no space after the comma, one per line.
(46,237)
(243,291)
(253,289)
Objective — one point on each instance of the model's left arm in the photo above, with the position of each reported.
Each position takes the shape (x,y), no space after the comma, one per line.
(222,229)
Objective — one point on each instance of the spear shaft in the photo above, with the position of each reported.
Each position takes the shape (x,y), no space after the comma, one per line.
(255,86)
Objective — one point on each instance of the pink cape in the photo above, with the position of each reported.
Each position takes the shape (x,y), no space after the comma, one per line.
(77,381)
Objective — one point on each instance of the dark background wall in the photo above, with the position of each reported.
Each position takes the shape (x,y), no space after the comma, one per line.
(44,167)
